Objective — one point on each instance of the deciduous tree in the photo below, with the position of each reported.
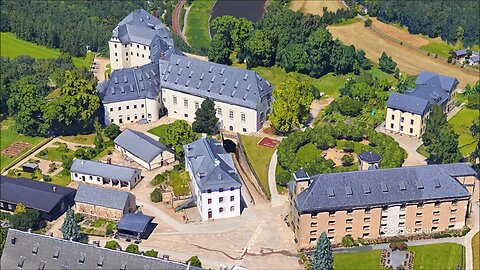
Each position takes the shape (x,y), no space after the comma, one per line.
(386,63)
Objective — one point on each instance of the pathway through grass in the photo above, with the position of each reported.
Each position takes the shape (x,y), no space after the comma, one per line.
(197,31)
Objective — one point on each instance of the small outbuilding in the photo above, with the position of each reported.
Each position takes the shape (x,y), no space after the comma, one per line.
(135,225)
(29,167)
(369,161)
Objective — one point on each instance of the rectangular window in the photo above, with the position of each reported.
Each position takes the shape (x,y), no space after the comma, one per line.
(401,128)
(128,107)
(402,216)
(331,222)
(230,114)
(434,228)
(209,201)
(411,122)
(138,54)
(314,232)
(393,117)
(126,54)
(134,106)
(411,130)
(242,117)
(366,228)
(331,214)
(174,100)
(185,103)
(401,224)
(313,224)
(419,214)
(232,198)
(453,211)
(219,111)
(349,220)
(418,222)
(453,219)
(402,119)
(142,106)
(436,213)
(331,230)
(220,199)
(366,235)
(451,226)
(367,219)
(209,191)
(115,54)
(119,108)
(348,229)
(391,126)
(138,46)
(143,56)
(111,109)
(367,210)
(435,221)
(115,45)
(349,212)
(144,47)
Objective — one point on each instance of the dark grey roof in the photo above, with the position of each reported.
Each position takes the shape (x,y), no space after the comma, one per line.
(30,165)
(218,82)
(301,174)
(461,52)
(141,27)
(131,83)
(106,197)
(98,168)
(212,167)
(370,157)
(134,222)
(457,169)
(475,58)
(33,194)
(407,103)
(56,253)
(433,87)
(374,188)
(141,145)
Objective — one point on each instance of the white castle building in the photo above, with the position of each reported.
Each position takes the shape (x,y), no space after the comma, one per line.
(169,83)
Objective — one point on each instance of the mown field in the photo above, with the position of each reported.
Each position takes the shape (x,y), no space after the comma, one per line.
(13,47)
(197,30)
(316,6)
(461,122)
(409,60)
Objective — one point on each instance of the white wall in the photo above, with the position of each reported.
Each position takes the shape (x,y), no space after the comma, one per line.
(137,109)
(416,129)
(155,163)
(98,180)
(178,110)
(392,220)
(130,55)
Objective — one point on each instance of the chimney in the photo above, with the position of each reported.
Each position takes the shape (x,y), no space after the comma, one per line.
(54,189)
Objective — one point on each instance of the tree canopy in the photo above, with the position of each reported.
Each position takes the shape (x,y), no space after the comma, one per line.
(206,119)
(386,63)
(322,256)
(30,219)
(177,134)
(70,228)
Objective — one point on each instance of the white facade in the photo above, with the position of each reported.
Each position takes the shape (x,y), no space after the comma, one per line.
(405,122)
(164,157)
(216,204)
(106,182)
(131,111)
(231,117)
(129,55)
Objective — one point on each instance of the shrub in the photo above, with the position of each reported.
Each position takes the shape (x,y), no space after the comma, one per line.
(402,246)
(283,178)
(42,153)
(159,178)
(195,261)
(47,178)
(347,160)
(368,22)
(449,59)
(11,172)
(428,53)
(393,246)
(132,248)
(109,231)
(349,147)
(436,55)
(179,167)
(62,148)
(156,195)
(79,217)
(348,241)
(112,245)
(151,253)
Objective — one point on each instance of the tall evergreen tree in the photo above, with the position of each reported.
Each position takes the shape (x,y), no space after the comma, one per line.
(205,118)
(322,257)
(70,228)
(386,63)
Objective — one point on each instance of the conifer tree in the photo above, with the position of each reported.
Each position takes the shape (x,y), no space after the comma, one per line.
(322,257)
(205,118)
(70,228)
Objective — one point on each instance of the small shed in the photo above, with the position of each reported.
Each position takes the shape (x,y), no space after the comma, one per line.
(29,167)
(135,225)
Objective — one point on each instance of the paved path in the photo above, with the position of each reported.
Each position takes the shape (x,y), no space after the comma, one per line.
(276,199)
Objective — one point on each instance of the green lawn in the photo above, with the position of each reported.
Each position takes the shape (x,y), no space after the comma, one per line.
(259,157)
(158,131)
(476,251)
(358,260)
(53,154)
(347,21)
(461,123)
(80,139)
(438,256)
(178,180)
(437,48)
(275,75)
(198,17)
(62,178)
(308,152)
(422,151)
(104,152)
(9,135)
(13,47)
(357,146)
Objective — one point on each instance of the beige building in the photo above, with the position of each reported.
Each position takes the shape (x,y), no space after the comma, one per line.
(408,113)
(103,202)
(379,203)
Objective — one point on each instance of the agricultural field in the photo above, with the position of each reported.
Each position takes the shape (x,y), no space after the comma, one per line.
(461,122)
(13,47)
(197,30)
(10,136)
(316,6)
(408,59)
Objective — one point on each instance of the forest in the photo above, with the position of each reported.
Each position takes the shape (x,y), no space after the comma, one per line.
(451,20)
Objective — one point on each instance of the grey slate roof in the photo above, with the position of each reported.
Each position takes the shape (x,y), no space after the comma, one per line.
(407,103)
(457,169)
(109,198)
(134,222)
(141,27)
(301,174)
(141,145)
(374,188)
(131,83)
(33,194)
(218,82)
(461,52)
(211,165)
(73,255)
(98,168)
(370,157)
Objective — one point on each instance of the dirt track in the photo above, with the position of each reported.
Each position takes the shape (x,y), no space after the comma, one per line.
(409,60)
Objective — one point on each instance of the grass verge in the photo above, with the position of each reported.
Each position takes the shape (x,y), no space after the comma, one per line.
(476,251)
(80,139)
(461,122)
(197,31)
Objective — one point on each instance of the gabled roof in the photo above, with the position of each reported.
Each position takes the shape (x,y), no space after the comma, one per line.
(437,81)
(134,222)
(56,253)
(407,103)
(218,82)
(106,170)
(461,52)
(212,167)
(140,144)
(457,169)
(141,27)
(33,194)
(375,188)
(106,197)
